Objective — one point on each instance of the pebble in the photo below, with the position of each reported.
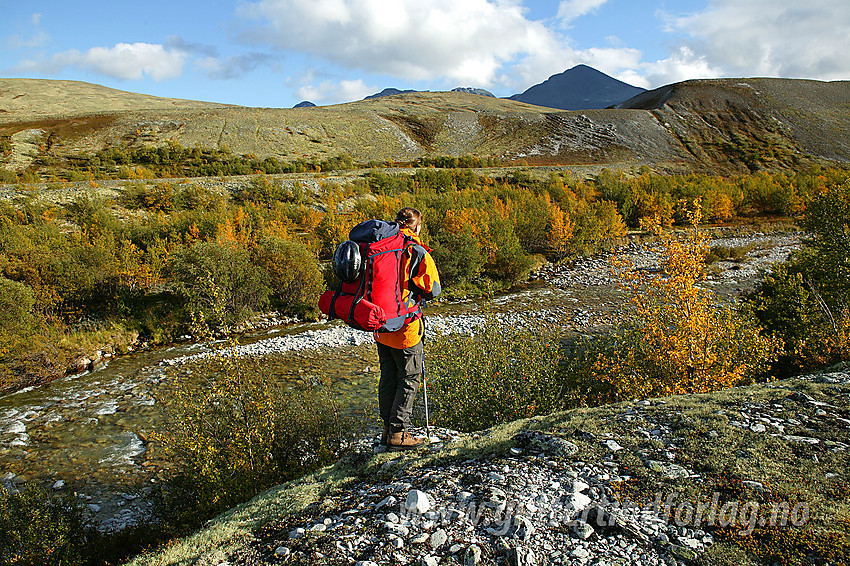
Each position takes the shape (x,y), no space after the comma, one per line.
(438,538)
(583,530)
(417,502)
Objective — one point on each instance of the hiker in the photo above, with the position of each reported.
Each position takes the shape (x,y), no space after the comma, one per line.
(386,273)
(401,353)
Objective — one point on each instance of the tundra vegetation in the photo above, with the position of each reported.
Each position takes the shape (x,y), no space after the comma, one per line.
(168,258)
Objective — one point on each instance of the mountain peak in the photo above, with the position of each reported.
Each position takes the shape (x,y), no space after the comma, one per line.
(578,88)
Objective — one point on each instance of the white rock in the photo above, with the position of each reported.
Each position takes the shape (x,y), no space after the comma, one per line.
(429,561)
(417,502)
(438,538)
(281,551)
(579,486)
(60,484)
(611,445)
(578,501)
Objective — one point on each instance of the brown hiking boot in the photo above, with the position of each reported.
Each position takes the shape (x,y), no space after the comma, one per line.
(403,441)
(385,436)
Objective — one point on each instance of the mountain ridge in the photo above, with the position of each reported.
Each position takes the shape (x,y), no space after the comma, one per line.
(721,125)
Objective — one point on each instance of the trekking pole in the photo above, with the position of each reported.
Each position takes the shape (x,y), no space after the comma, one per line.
(425,383)
(425,393)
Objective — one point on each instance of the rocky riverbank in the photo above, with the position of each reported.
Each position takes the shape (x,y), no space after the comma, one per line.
(744,475)
(582,296)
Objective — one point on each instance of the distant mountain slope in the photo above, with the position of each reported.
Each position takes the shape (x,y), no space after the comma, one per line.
(388,92)
(473,90)
(31,98)
(579,88)
(722,125)
(758,122)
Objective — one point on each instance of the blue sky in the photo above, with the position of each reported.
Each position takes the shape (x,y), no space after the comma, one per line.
(275,53)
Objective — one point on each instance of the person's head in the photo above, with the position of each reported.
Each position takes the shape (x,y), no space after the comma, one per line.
(410,218)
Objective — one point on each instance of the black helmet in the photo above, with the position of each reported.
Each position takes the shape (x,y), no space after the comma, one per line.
(347,261)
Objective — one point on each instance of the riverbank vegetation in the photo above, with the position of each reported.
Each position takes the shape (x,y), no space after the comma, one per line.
(673,337)
(140,265)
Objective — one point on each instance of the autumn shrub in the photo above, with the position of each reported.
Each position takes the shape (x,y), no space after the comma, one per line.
(675,337)
(218,282)
(265,191)
(156,197)
(38,528)
(232,432)
(333,229)
(294,278)
(500,374)
(597,226)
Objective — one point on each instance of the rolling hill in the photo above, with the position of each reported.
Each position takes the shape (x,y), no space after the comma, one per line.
(722,125)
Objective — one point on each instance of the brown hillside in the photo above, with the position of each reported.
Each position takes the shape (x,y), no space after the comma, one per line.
(720,125)
(762,122)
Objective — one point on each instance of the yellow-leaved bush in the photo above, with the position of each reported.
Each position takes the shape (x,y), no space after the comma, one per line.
(676,336)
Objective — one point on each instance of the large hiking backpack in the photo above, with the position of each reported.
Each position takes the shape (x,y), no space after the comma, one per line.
(372,300)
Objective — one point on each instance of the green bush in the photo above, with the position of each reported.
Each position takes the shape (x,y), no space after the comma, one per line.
(502,374)
(16,303)
(218,281)
(458,258)
(263,190)
(294,277)
(37,528)
(231,432)
(804,302)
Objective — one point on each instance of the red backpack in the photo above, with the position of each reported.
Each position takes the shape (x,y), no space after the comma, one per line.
(373,300)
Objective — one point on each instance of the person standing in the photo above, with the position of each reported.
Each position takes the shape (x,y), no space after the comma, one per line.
(401,353)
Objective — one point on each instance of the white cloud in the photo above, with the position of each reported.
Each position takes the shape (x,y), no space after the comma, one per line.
(125,61)
(334,91)
(468,42)
(682,65)
(569,10)
(780,38)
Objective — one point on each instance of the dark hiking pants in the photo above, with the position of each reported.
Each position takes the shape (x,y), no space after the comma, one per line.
(401,371)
